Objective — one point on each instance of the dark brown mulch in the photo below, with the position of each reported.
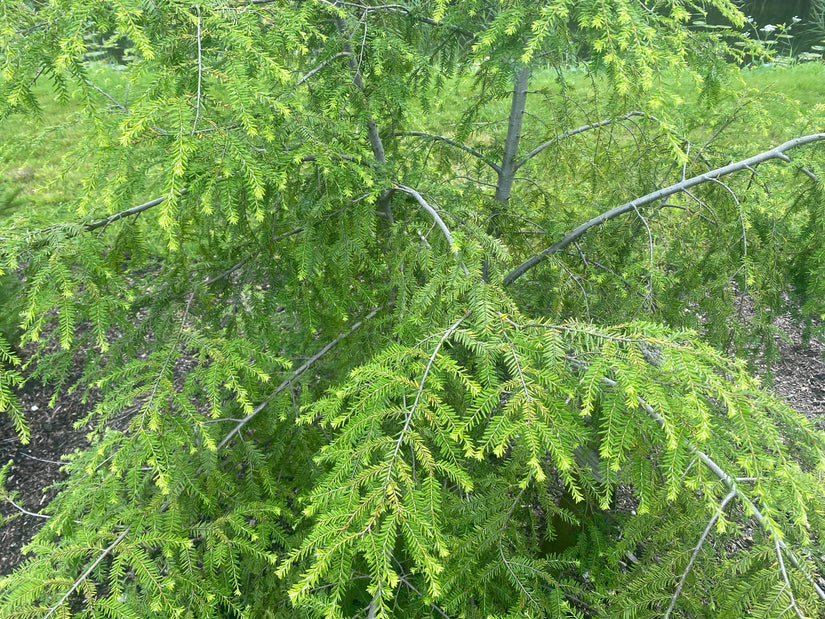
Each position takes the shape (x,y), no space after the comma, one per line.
(799,378)
(36,465)
(799,374)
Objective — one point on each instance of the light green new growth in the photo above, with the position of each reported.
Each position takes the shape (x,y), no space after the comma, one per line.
(318,382)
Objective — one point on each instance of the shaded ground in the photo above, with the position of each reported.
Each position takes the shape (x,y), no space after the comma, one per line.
(799,374)
(36,465)
(799,378)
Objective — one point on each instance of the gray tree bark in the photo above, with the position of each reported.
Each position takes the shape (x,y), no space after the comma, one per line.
(509,164)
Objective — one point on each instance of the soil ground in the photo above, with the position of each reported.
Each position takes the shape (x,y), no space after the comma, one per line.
(36,465)
(799,378)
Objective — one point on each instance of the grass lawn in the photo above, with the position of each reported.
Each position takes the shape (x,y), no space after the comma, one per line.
(41,160)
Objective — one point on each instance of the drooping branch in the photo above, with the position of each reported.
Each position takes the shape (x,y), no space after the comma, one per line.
(307,364)
(446,140)
(433,213)
(730,484)
(726,479)
(573,132)
(774,153)
(85,574)
(695,554)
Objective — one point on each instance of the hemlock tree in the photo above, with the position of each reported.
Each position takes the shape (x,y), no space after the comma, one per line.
(361,359)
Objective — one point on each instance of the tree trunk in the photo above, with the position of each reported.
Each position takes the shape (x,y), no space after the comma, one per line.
(511,143)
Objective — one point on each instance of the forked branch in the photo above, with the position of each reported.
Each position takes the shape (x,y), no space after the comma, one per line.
(573,132)
(774,153)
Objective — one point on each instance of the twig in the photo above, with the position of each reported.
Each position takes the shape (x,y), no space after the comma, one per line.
(106,94)
(744,242)
(440,222)
(573,132)
(696,550)
(436,608)
(446,140)
(85,575)
(785,578)
(25,455)
(23,510)
(774,153)
(650,252)
(411,412)
(227,272)
(200,73)
(309,74)
(128,212)
(168,359)
(808,173)
(309,362)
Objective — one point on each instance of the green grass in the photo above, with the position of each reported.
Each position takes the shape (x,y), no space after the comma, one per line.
(39,164)
(790,101)
(803,82)
(35,158)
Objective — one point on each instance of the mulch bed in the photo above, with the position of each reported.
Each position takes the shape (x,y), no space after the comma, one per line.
(36,465)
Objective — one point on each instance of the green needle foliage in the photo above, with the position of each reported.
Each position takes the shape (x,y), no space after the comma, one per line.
(415,309)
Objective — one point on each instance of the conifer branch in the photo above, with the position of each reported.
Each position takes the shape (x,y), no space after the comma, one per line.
(309,363)
(730,483)
(411,412)
(573,132)
(695,554)
(777,152)
(446,140)
(200,75)
(434,214)
(128,212)
(85,574)
(312,72)
(727,480)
